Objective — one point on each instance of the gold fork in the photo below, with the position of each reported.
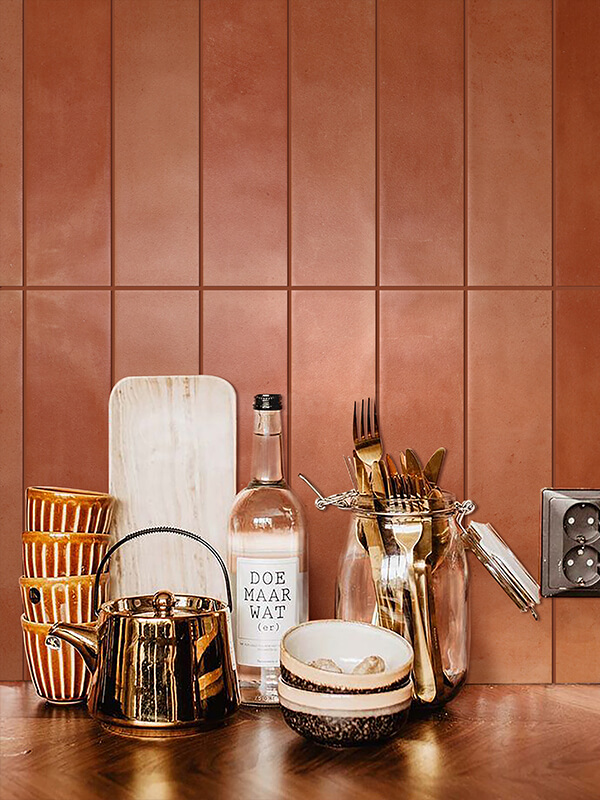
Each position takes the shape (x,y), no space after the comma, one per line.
(413,536)
(368,444)
(369,536)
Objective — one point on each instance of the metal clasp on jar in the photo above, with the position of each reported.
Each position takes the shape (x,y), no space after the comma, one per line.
(461,510)
(340,500)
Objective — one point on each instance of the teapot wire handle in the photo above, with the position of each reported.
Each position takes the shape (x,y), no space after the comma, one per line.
(159,529)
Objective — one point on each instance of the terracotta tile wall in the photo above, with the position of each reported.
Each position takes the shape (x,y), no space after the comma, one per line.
(323,198)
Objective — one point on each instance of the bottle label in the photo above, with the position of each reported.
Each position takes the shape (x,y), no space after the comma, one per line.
(267,605)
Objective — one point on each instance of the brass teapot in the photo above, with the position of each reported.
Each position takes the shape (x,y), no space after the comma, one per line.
(161,664)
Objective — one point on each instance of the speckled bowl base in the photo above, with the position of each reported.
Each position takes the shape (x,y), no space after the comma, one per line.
(345,731)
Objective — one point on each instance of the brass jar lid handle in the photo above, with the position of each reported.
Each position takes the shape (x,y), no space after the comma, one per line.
(163,603)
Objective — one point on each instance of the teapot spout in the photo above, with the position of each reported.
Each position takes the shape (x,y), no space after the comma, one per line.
(84,639)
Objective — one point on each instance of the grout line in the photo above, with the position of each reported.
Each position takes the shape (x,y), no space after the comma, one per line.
(200,332)
(201,201)
(553,348)
(23,430)
(289,152)
(465,254)
(377,217)
(466,394)
(24,301)
(289,387)
(200,156)
(112,200)
(465,145)
(289,250)
(307,288)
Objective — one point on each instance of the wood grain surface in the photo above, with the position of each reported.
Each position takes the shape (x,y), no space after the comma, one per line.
(533,742)
(171,462)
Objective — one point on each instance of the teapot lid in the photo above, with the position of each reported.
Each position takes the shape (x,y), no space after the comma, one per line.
(163,605)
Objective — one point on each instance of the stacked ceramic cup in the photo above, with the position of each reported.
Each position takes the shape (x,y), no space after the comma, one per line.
(66,539)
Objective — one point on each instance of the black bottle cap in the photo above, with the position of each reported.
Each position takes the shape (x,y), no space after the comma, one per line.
(267,402)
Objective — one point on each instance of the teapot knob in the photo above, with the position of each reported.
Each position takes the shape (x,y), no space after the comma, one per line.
(163,603)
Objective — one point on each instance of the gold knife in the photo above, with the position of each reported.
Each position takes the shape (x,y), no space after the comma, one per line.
(434,465)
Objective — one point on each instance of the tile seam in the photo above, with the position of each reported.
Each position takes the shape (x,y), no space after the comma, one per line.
(553,309)
(465,254)
(283,287)
(24,301)
(201,200)
(377,216)
(112,200)
(289,243)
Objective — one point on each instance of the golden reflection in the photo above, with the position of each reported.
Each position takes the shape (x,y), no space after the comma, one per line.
(153,772)
(424,757)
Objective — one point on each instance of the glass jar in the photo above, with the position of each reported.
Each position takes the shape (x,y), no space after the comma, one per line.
(415,582)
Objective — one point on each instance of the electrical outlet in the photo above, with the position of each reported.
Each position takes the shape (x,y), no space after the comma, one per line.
(570,542)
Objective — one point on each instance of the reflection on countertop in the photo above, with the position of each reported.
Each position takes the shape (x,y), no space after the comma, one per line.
(492,741)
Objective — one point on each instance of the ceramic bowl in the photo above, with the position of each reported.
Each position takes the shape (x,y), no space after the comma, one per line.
(53,555)
(68,599)
(346,643)
(59,676)
(345,720)
(68,510)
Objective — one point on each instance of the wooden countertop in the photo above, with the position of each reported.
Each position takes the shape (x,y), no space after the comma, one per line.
(492,742)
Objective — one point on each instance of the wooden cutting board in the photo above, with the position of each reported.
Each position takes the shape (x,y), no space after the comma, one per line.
(171,462)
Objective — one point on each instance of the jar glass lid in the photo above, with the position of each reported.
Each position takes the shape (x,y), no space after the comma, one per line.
(503,565)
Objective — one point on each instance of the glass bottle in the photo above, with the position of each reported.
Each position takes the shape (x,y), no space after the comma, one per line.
(440,566)
(267,559)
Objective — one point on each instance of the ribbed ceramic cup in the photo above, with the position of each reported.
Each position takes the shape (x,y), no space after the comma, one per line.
(68,599)
(59,676)
(52,555)
(58,510)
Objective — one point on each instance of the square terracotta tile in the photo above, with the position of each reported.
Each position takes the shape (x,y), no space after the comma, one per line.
(11,143)
(333,364)
(576,134)
(67,385)
(11,481)
(421,122)
(245,342)
(421,335)
(67,142)
(244,142)
(156,333)
(509,142)
(332,142)
(156,142)
(509,454)
(576,463)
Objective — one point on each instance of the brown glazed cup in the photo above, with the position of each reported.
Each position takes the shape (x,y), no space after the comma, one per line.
(69,599)
(53,555)
(59,676)
(68,510)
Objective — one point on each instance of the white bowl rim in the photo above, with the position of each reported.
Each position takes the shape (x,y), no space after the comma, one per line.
(322,701)
(346,680)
